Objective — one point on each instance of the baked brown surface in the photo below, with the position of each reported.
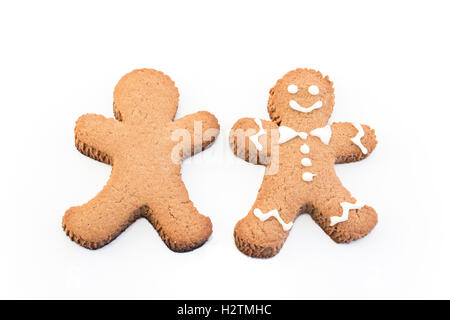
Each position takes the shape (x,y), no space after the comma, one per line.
(145,148)
(283,188)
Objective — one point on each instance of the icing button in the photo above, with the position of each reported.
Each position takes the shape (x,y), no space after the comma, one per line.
(306,162)
(308,176)
(304,149)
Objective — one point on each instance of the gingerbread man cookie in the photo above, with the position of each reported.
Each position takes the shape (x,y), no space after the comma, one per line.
(145,152)
(299,149)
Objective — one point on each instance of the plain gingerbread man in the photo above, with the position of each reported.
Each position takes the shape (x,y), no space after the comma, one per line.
(143,147)
(299,150)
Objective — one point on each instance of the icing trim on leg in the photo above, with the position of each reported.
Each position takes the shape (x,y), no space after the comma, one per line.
(346,207)
(273,213)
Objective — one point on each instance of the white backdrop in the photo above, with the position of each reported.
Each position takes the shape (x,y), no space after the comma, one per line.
(390,64)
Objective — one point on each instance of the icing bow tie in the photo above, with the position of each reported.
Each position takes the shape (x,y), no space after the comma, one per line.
(286,134)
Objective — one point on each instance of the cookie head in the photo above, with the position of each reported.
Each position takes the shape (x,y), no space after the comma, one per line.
(302,100)
(145,95)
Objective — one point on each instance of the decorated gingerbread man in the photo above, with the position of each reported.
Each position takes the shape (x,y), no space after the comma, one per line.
(299,149)
(145,150)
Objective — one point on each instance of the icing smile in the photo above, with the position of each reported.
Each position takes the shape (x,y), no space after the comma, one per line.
(296,106)
(312,90)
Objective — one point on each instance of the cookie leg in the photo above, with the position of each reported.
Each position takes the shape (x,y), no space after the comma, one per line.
(103,218)
(262,233)
(343,218)
(176,219)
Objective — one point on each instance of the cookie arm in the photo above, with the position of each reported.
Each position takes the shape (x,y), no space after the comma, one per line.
(251,143)
(352,141)
(196,132)
(95,137)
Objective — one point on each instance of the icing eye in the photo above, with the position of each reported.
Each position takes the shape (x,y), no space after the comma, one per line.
(292,88)
(314,90)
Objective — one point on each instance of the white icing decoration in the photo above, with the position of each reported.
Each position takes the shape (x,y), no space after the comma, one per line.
(292,88)
(302,135)
(254,138)
(308,176)
(357,139)
(274,213)
(346,207)
(324,134)
(304,149)
(314,90)
(306,162)
(294,105)
(287,134)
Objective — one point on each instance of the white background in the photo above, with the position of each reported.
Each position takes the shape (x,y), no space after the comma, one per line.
(390,65)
